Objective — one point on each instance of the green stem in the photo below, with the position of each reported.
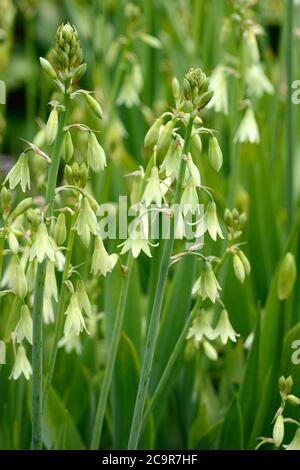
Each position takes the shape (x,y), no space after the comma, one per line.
(176,351)
(60,309)
(136,425)
(37,314)
(111,358)
(290,140)
(172,360)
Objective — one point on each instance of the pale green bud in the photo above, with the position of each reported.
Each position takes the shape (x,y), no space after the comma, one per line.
(205,99)
(278,431)
(164,139)
(196,144)
(243,220)
(78,73)
(192,169)
(60,230)
(152,135)
(210,351)
(2,352)
(228,217)
(51,127)
(289,384)
(24,326)
(6,200)
(245,262)
(187,90)
(286,277)
(47,67)
(13,243)
(293,400)
(239,268)
(22,207)
(34,218)
(215,154)
(96,157)
(68,172)
(94,105)
(281,383)
(68,147)
(175,88)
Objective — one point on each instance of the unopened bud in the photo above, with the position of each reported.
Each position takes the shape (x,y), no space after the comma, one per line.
(22,207)
(215,154)
(196,144)
(293,400)
(20,283)
(94,106)
(78,73)
(68,147)
(286,277)
(289,384)
(205,99)
(6,200)
(47,67)
(13,243)
(239,268)
(281,383)
(228,217)
(60,231)
(176,88)
(245,261)
(278,431)
(164,139)
(152,135)
(51,127)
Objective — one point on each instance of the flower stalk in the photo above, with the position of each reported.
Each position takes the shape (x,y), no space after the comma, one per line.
(136,426)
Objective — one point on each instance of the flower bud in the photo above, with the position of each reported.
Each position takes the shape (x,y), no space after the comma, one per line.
(94,106)
(78,73)
(289,384)
(281,383)
(215,154)
(96,157)
(51,127)
(152,135)
(60,231)
(68,174)
(245,261)
(205,99)
(196,144)
(164,139)
(228,217)
(176,88)
(286,277)
(47,67)
(6,200)
(278,431)
(22,207)
(210,351)
(293,400)
(68,147)
(239,268)
(13,243)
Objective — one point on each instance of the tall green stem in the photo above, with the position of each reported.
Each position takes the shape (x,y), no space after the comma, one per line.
(37,314)
(136,425)
(290,133)
(60,309)
(111,359)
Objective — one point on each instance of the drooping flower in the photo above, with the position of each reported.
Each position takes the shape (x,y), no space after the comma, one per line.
(21,365)
(211,222)
(95,154)
(19,173)
(43,245)
(71,343)
(83,298)
(218,84)
(257,81)
(132,86)
(171,162)
(278,431)
(224,329)
(18,280)
(189,199)
(248,129)
(138,237)
(74,322)
(86,222)
(48,312)
(102,262)
(24,326)
(201,328)
(193,172)
(207,285)
(153,191)
(295,443)
(50,282)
